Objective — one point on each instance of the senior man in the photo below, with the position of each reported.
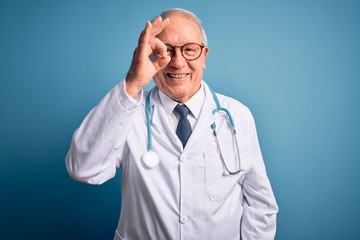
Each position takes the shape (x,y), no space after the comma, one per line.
(186,172)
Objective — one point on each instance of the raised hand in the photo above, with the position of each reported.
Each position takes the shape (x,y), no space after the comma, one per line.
(150,56)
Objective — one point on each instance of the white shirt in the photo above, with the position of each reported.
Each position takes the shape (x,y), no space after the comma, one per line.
(194,104)
(186,196)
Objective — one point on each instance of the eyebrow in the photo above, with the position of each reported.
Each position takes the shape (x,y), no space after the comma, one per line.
(182,44)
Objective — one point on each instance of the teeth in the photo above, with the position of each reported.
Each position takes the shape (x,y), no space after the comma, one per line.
(177,75)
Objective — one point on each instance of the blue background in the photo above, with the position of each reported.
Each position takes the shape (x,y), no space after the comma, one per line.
(295,64)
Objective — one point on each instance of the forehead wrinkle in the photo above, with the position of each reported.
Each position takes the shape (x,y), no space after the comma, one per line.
(180,35)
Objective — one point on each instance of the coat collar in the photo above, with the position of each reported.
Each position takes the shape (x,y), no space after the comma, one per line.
(202,130)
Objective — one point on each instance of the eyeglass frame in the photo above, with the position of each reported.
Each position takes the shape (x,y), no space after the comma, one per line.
(181,50)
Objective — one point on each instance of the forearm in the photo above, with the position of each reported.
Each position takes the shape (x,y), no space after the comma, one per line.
(259,217)
(98,141)
(260,207)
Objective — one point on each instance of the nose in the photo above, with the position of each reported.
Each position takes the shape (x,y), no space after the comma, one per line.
(177,61)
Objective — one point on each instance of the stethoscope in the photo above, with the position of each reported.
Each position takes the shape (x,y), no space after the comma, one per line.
(151,159)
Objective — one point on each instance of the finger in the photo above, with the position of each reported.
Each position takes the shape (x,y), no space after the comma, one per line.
(160,63)
(158,25)
(147,43)
(144,46)
(160,49)
(157,20)
(145,34)
(161,58)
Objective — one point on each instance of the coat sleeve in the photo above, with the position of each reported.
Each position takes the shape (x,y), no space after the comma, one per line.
(95,145)
(260,207)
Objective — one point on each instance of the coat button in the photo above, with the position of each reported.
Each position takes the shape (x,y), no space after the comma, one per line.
(183,157)
(184,219)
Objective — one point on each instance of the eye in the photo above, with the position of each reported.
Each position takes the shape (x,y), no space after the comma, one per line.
(189,50)
(169,50)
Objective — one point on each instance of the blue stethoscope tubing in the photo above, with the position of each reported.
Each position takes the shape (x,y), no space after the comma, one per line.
(151,158)
(233,132)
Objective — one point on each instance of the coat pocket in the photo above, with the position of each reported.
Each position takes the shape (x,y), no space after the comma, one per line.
(219,186)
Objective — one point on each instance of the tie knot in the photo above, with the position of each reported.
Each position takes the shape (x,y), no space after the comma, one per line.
(182,110)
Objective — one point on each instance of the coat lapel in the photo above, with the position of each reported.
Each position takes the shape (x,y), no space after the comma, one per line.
(160,124)
(202,131)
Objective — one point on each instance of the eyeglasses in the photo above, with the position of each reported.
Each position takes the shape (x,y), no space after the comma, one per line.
(190,51)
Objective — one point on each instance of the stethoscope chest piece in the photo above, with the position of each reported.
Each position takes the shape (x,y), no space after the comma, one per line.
(151,159)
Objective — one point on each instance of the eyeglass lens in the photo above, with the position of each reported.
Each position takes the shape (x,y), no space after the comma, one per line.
(190,51)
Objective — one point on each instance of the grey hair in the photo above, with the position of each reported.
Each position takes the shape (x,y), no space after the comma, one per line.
(188,14)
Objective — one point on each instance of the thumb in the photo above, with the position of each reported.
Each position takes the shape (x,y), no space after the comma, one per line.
(161,61)
(161,58)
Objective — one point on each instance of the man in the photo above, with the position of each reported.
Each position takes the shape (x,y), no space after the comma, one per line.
(176,186)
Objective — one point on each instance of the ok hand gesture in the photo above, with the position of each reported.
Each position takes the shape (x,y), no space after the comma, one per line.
(144,66)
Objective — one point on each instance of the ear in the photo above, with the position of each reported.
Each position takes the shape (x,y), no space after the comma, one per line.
(206,51)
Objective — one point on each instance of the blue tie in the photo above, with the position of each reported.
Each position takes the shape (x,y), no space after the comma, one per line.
(183,129)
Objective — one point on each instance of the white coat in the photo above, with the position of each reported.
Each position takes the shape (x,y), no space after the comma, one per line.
(186,196)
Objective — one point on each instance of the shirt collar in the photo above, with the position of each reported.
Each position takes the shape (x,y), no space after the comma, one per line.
(194,103)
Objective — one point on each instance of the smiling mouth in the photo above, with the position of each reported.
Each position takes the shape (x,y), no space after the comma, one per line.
(177,76)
